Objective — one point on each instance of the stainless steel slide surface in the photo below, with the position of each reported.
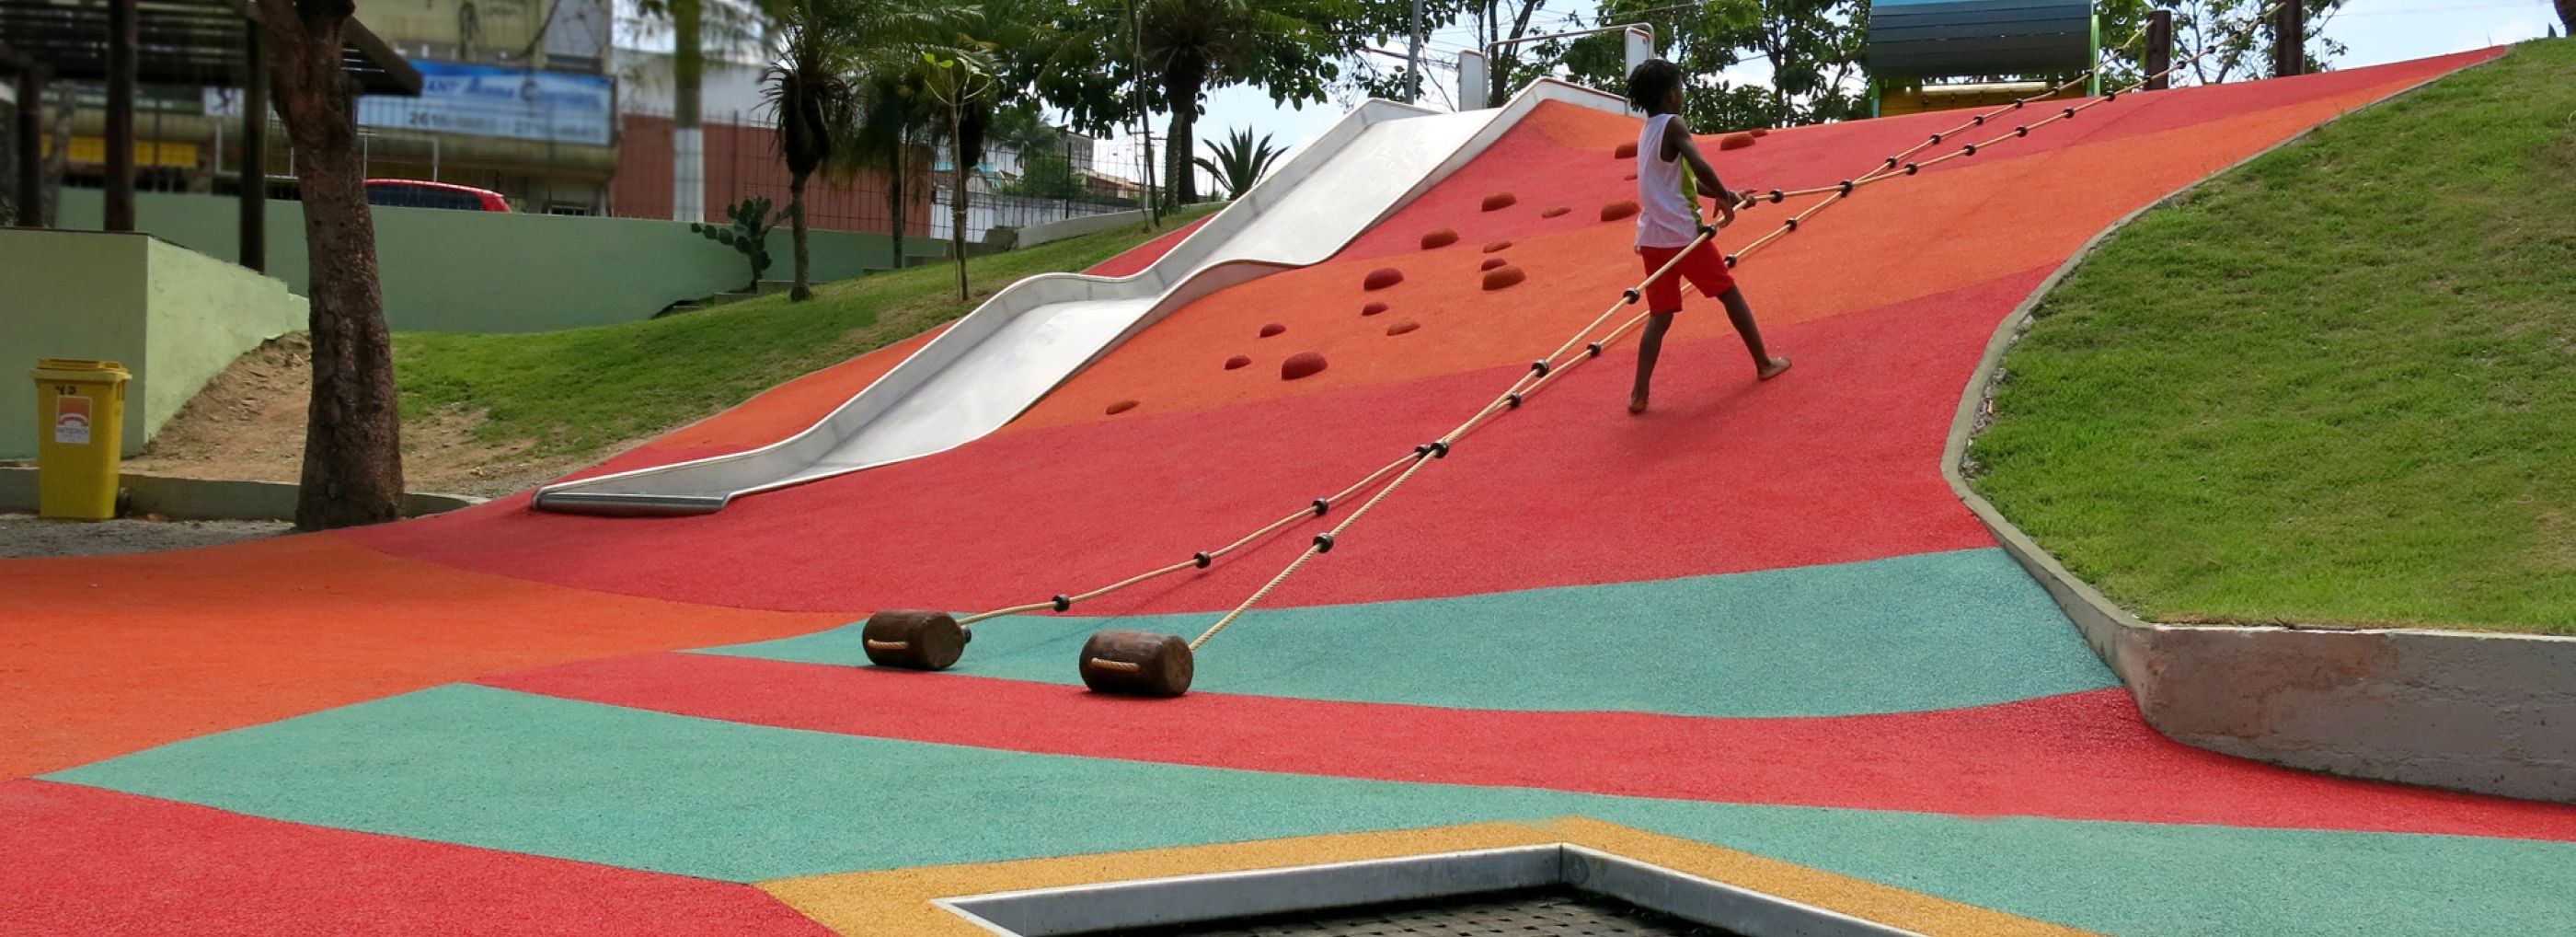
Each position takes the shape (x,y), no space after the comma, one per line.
(999,360)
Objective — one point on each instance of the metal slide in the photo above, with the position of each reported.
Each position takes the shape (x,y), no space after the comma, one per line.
(1015,348)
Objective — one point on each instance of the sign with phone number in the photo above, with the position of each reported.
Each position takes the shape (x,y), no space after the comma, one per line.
(490,101)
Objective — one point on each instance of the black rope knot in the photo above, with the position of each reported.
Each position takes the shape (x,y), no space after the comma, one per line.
(1847,187)
(1792,224)
(2021,131)
(1592,350)
(1515,399)
(1063,602)
(1912,168)
(1778,196)
(1322,505)
(1202,559)
(1435,449)
(1631,295)
(1972,149)
(1539,367)
(1730,261)
(1323,543)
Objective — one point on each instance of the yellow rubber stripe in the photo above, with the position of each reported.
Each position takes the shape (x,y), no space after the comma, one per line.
(898,901)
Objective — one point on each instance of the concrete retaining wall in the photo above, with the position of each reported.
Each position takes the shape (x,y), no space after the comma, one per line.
(463,271)
(173,317)
(196,499)
(2489,713)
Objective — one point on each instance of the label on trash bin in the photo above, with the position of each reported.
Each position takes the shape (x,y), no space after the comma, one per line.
(71,420)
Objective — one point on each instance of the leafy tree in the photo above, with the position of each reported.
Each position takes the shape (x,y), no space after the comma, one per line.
(2236,34)
(1813,47)
(893,116)
(960,82)
(352,432)
(1240,161)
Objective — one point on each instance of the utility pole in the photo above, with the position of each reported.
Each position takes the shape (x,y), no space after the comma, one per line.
(1413,58)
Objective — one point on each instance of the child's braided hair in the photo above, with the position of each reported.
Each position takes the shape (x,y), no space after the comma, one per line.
(1653,79)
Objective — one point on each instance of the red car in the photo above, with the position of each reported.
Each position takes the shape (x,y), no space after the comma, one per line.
(415,193)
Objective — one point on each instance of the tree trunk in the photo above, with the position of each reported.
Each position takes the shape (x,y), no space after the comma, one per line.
(1181,92)
(957,196)
(894,206)
(352,437)
(688,131)
(796,228)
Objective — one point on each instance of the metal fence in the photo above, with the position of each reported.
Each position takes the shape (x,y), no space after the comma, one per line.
(739,159)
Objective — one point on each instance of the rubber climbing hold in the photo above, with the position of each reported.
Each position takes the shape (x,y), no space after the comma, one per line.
(1631,177)
(1382,278)
(1438,237)
(914,640)
(1503,277)
(1496,246)
(1372,309)
(1238,361)
(1759,132)
(1136,663)
(1500,200)
(1302,364)
(1402,327)
(1121,407)
(1202,558)
(1553,212)
(1735,141)
(1492,262)
(1273,329)
(1324,543)
(1625,151)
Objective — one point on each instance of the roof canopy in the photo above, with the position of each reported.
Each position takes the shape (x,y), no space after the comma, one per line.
(195,43)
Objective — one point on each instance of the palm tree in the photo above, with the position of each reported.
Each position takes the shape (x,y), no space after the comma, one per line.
(893,116)
(961,82)
(1240,161)
(813,90)
(1189,44)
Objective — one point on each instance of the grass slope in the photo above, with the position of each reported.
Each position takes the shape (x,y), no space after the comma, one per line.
(2335,385)
(584,392)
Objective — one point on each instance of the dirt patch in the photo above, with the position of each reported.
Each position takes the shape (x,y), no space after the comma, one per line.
(248,424)
(23,535)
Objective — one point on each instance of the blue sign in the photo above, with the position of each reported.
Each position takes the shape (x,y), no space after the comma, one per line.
(490,101)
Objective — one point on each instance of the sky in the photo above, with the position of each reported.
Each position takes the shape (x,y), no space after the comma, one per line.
(2376,32)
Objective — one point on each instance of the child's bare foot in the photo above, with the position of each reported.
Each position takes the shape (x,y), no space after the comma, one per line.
(1775,368)
(1637,403)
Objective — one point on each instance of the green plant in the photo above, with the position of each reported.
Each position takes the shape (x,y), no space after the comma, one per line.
(1240,161)
(748,234)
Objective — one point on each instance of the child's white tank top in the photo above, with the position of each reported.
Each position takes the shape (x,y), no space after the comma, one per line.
(1667,215)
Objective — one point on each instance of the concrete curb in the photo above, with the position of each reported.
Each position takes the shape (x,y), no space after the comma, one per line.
(198,499)
(2488,713)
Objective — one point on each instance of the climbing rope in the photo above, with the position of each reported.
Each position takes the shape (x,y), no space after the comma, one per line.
(1549,368)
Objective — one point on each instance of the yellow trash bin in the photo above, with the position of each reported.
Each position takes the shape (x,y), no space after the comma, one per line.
(80,432)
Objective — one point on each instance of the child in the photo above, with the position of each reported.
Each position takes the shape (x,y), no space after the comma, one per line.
(1668,220)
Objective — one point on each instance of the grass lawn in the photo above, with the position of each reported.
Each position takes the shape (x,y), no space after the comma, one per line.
(2337,385)
(582,392)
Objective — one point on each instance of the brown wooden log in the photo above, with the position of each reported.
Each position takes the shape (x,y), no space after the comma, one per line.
(914,640)
(1137,663)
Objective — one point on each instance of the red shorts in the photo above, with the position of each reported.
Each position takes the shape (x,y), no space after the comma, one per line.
(1702,266)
